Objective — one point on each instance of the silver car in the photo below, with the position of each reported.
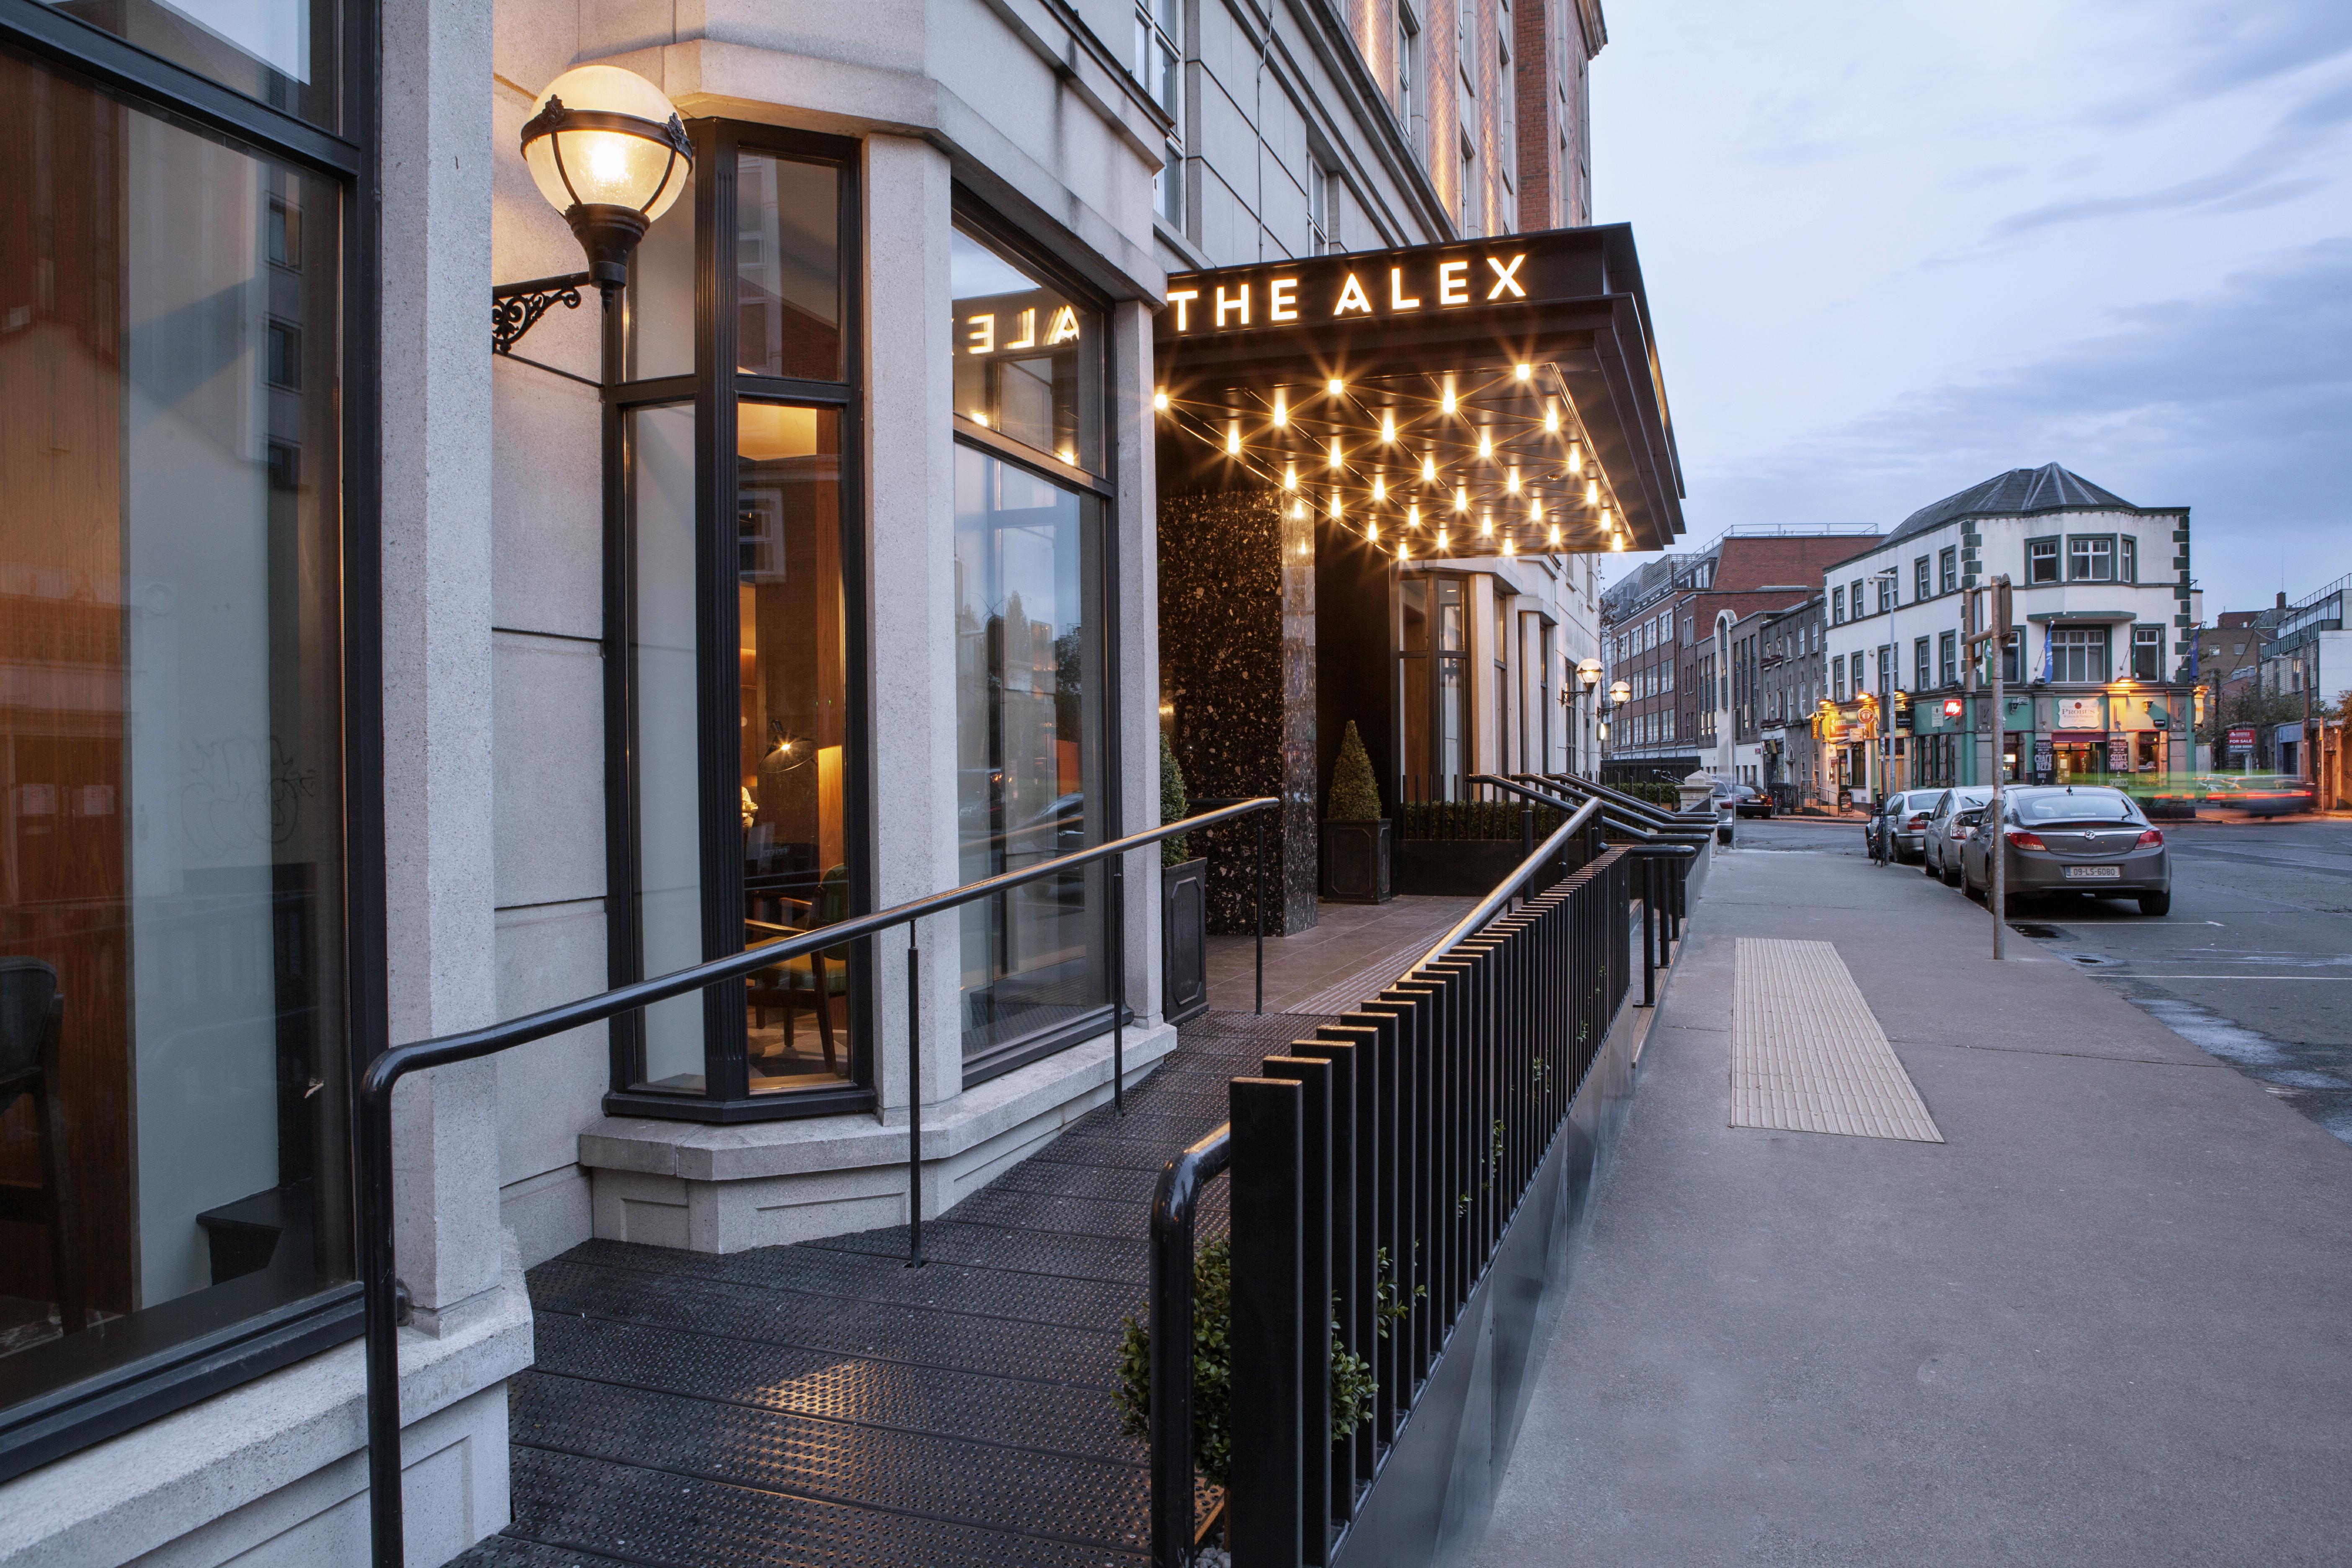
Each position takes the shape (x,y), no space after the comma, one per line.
(2086,839)
(1939,855)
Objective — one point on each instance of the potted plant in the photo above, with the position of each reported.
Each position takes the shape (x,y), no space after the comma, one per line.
(1355,833)
(1183,904)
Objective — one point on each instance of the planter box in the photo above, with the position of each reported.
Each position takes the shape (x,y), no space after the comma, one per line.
(1185,939)
(1356,862)
(1455,868)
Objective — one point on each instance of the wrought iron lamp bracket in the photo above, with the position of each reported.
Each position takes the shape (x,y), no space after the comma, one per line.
(516,308)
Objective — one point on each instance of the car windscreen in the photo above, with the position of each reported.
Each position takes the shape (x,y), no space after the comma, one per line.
(2076,806)
(1964,798)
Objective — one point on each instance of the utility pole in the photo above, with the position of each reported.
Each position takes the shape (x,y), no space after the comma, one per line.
(1991,624)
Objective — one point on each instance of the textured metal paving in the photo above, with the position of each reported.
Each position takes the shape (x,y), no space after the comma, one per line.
(1807,1053)
(824,1404)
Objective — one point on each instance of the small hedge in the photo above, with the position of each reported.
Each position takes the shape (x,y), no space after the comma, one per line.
(1664,794)
(1471,819)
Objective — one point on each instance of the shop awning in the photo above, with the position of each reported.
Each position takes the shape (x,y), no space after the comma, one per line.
(1503,394)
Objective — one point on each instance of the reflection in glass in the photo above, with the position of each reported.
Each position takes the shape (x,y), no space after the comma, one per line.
(668,740)
(788,267)
(281,52)
(1028,358)
(796,873)
(661,294)
(171,768)
(1028,624)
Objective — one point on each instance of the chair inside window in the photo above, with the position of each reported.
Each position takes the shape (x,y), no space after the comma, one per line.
(805,985)
(32,1034)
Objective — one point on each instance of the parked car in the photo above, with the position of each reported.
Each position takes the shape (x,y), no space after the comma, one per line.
(1941,849)
(1907,812)
(2086,839)
(1746,800)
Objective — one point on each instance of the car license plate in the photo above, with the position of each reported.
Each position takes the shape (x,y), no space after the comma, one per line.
(2095,871)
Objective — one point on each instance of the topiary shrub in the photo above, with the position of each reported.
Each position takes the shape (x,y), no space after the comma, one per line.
(1354,797)
(1352,1386)
(1174,805)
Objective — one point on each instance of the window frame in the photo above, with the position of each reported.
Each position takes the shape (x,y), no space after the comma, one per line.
(714,388)
(194,1353)
(1947,569)
(1922,580)
(2086,543)
(2057,558)
(2150,639)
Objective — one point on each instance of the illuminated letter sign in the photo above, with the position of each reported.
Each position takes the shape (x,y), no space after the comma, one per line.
(1452,288)
(1028,338)
(1281,300)
(1241,304)
(1309,288)
(1065,327)
(1182,298)
(1397,302)
(981,338)
(1351,298)
(1506,277)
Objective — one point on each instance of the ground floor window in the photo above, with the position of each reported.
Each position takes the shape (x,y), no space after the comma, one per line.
(1030,685)
(175,1048)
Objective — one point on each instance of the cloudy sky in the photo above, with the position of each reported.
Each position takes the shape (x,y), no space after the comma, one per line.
(1896,248)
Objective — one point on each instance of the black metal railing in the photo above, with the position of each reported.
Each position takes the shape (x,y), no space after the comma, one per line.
(376,1183)
(1374,1169)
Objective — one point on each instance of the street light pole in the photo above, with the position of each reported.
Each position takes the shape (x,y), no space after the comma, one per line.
(1998,614)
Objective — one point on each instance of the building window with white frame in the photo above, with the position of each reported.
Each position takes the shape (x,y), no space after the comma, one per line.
(2042,560)
(2147,653)
(2091,558)
(1322,208)
(1948,568)
(2079,655)
(2127,559)
(1919,680)
(1408,76)
(1948,659)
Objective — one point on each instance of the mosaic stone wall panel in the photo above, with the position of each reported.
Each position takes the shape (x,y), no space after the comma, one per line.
(1237,663)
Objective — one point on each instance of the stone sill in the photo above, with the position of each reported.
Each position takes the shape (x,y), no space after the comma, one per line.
(702,1152)
(153,1484)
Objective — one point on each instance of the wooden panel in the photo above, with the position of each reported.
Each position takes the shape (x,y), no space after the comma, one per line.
(61,640)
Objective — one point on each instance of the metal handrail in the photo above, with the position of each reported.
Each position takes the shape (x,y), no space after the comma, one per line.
(1657,816)
(1647,836)
(380,1287)
(1507,889)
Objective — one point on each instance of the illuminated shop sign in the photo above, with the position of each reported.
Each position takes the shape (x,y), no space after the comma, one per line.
(1205,305)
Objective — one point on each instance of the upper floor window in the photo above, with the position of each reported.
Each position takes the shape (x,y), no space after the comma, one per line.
(2091,558)
(1159,65)
(2079,654)
(1837,608)
(2127,559)
(1920,587)
(2042,560)
(1919,673)
(1948,568)
(1885,592)
(1409,112)
(1948,659)
(1322,208)
(2147,653)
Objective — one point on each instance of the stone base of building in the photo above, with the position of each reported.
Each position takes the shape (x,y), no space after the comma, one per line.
(729,1188)
(275,1471)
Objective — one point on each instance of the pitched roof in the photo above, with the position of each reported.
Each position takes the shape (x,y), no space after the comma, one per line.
(2015,493)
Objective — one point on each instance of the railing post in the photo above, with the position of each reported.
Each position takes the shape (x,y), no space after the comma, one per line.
(1648,931)
(1119,984)
(385,1535)
(1263,1513)
(1173,1207)
(914,1100)
(1316,1290)
(1259,819)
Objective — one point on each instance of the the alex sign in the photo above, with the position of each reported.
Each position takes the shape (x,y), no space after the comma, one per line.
(1277,298)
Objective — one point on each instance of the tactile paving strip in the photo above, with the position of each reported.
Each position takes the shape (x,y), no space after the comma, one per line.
(1807,1054)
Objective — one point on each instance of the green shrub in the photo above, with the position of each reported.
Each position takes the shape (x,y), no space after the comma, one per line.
(1354,797)
(1213,1382)
(1664,794)
(1470,819)
(1174,805)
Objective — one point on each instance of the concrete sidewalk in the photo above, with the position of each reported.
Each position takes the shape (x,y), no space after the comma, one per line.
(2109,1320)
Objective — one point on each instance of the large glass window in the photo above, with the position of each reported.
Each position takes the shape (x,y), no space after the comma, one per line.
(279,52)
(1432,663)
(173,1037)
(792,624)
(735,567)
(1029,750)
(1028,356)
(2078,654)
(2091,558)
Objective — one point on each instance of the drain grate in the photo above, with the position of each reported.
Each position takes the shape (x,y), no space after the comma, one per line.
(2035,929)
(2096,961)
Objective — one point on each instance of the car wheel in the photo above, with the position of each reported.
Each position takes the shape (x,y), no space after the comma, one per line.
(1927,865)
(2155,904)
(1955,876)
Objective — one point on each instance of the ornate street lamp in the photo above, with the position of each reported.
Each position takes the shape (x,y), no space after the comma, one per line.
(608,151)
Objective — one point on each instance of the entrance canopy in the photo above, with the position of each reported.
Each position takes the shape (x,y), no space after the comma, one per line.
(1496,397)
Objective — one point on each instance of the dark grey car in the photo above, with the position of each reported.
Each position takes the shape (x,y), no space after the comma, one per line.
(2085,839)
(1939,854)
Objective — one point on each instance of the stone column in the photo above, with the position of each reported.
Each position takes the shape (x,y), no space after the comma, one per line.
(440,848)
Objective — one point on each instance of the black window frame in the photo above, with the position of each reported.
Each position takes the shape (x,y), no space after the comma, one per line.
(179,1353)
(713,389)
(969,212)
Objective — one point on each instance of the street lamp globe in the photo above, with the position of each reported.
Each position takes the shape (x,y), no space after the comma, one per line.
(607,152)
(1589,672)
(1619,693)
